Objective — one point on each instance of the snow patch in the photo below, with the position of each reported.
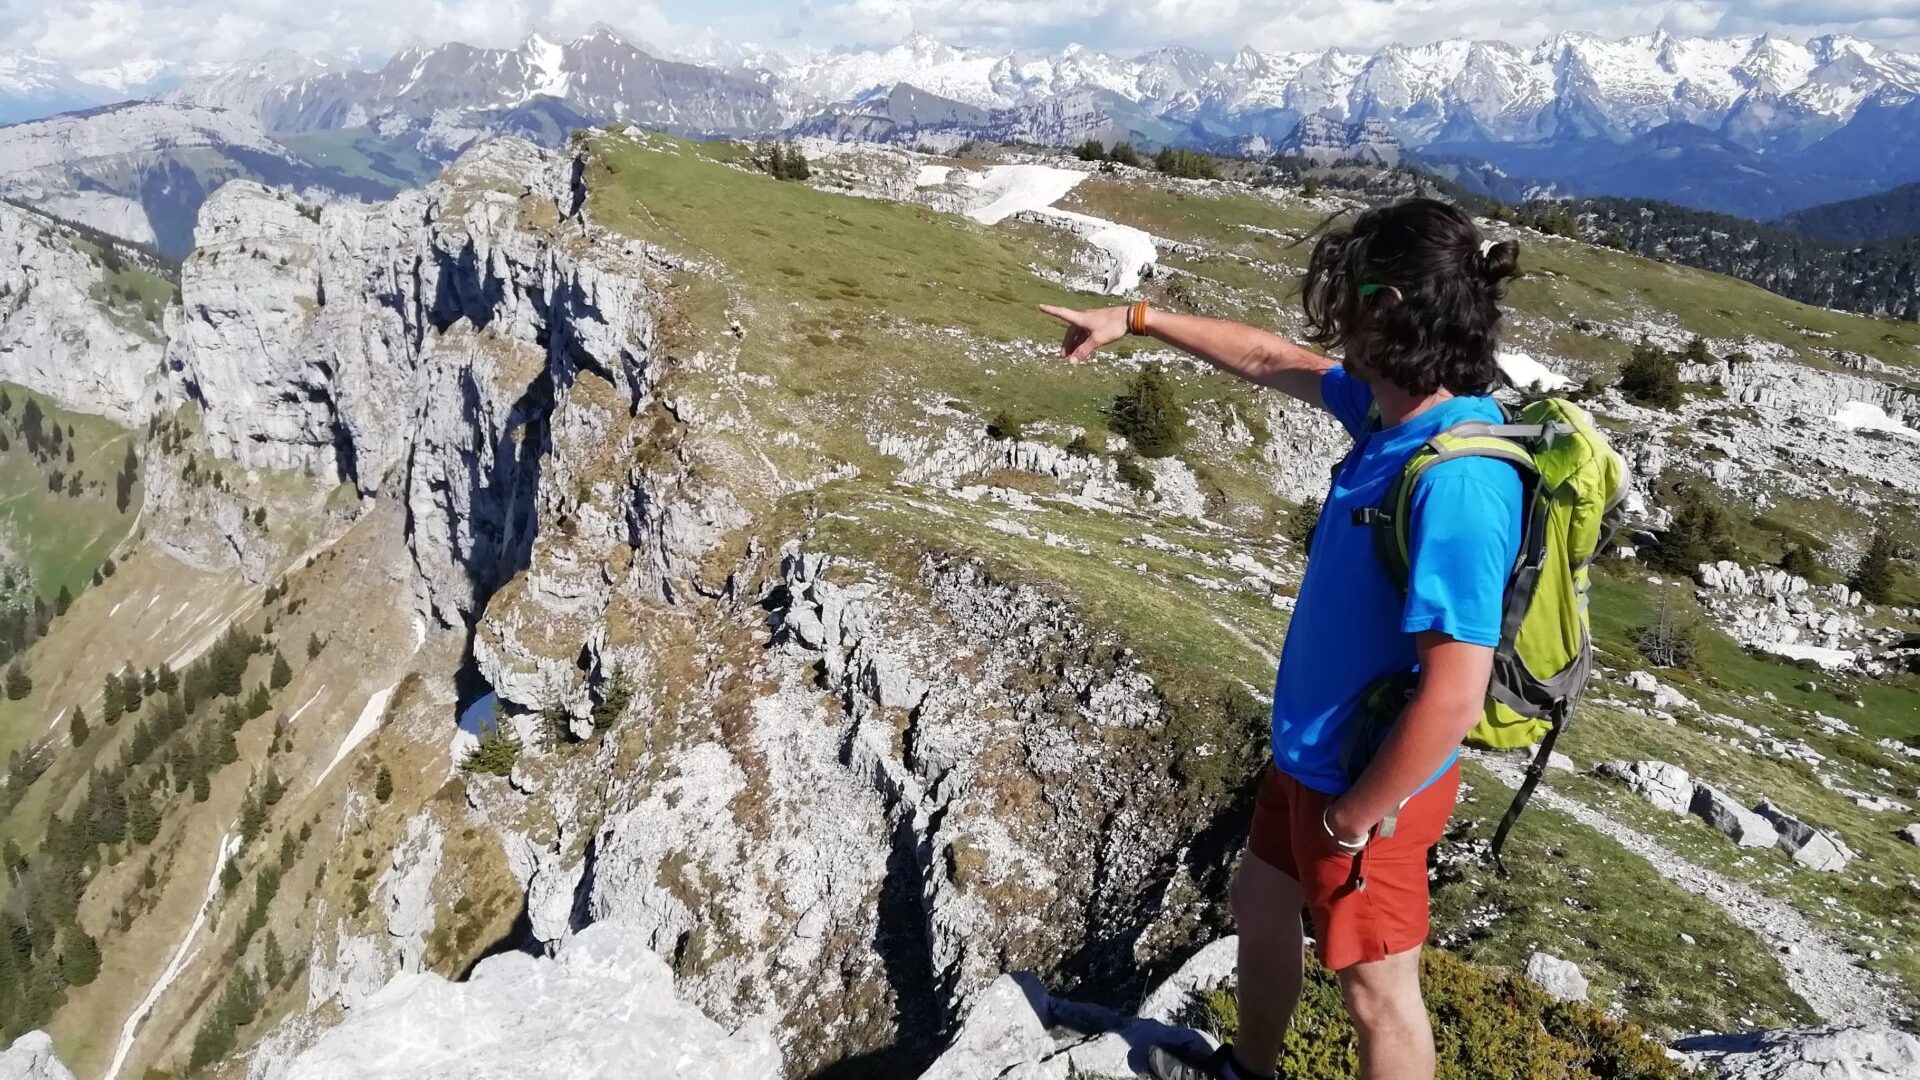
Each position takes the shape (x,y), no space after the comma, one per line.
(932,175)
(1526,373)
(1006,190)
(1863,416)
(1830,659)
(305,704)
(229,844)
(362,728)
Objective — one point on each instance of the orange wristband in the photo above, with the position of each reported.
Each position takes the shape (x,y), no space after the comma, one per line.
(1137,319)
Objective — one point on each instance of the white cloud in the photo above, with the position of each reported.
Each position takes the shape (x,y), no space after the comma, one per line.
(106,32)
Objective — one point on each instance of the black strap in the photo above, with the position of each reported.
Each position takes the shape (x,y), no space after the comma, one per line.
(1535,772)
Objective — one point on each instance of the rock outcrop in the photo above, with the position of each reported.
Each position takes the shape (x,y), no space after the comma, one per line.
(604,1007)
(1833,1053)
(1665,785)
(1018,1029)
(1560,978)
(31,1057)
(1814,848)
(62,332)
(1725,813)
(427,348)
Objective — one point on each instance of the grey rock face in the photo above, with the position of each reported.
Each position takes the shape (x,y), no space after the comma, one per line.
(1724,812)
(1832,1053)
(1664,785)
(31,1057)
(408,885)
(58,336)
(428,347)
(1911,834)
(1561,978)
(604,1007)
(1017,1029)
(1810,847)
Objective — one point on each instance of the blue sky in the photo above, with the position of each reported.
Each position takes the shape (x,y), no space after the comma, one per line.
(108,32)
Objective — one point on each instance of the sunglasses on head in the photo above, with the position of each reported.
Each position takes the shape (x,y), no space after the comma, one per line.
(1367,291)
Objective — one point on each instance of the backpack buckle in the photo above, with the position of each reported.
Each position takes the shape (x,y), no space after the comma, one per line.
(1372,517)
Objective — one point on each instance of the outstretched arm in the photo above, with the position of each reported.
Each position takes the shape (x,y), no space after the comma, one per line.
(1257,356)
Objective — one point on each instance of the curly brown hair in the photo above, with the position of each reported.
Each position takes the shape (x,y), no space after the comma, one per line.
(1436,322)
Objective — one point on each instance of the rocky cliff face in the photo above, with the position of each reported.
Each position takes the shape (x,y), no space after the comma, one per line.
(419,349)
(861,792)
(62,332)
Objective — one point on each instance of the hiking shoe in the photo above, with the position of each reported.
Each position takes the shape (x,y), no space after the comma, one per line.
(1169,1062)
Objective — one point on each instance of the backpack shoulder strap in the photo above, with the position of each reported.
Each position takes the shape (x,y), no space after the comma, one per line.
(1392,519)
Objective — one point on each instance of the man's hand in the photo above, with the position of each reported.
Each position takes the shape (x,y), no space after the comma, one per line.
(1088,330)
(1342,823)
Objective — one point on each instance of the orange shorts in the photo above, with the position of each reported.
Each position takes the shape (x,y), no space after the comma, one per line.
(1365,907)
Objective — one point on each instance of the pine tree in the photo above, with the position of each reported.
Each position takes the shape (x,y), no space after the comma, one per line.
(202,787)
(1800,562)
(259,702)
(273,790)
(1649,378)
(253,815)
(1123,153)
(1700,533)
(62,601)
(273,961)
(19,683)
(1091,150)
(499,748)
(143,820)
(1149,415)
(383,784)
(282,673)
(109,822)
(78,726)
(1671,640)
(1872,578)
(79,957)
(165,681)
(111,706)
(230,876)
(314,645)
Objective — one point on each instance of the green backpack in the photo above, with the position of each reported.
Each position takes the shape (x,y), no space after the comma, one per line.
(1573,485)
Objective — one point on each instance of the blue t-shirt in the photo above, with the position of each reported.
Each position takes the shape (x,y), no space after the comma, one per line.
(1352,624)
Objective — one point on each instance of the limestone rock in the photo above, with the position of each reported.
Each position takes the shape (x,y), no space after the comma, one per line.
(1664,785)
(1724,812)
(408,886)
(603,1007)
(58,336)
(1831,1053)
(1810,847)
(1911,834)
(1560,978)
(1017,1029)
(31,1057)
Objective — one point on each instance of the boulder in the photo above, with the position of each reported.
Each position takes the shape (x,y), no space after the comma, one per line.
(604,1006)
(1560,978)
(1832,1053)
(1911,834)
(1724,812)
(31,1057)
(1810,847)
(1665,785)
(1017,1031)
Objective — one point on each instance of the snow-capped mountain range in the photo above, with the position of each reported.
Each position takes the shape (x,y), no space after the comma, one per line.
(1774,122)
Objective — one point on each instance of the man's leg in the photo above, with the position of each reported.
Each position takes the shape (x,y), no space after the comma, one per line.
(1266,911)
(1396,1038)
